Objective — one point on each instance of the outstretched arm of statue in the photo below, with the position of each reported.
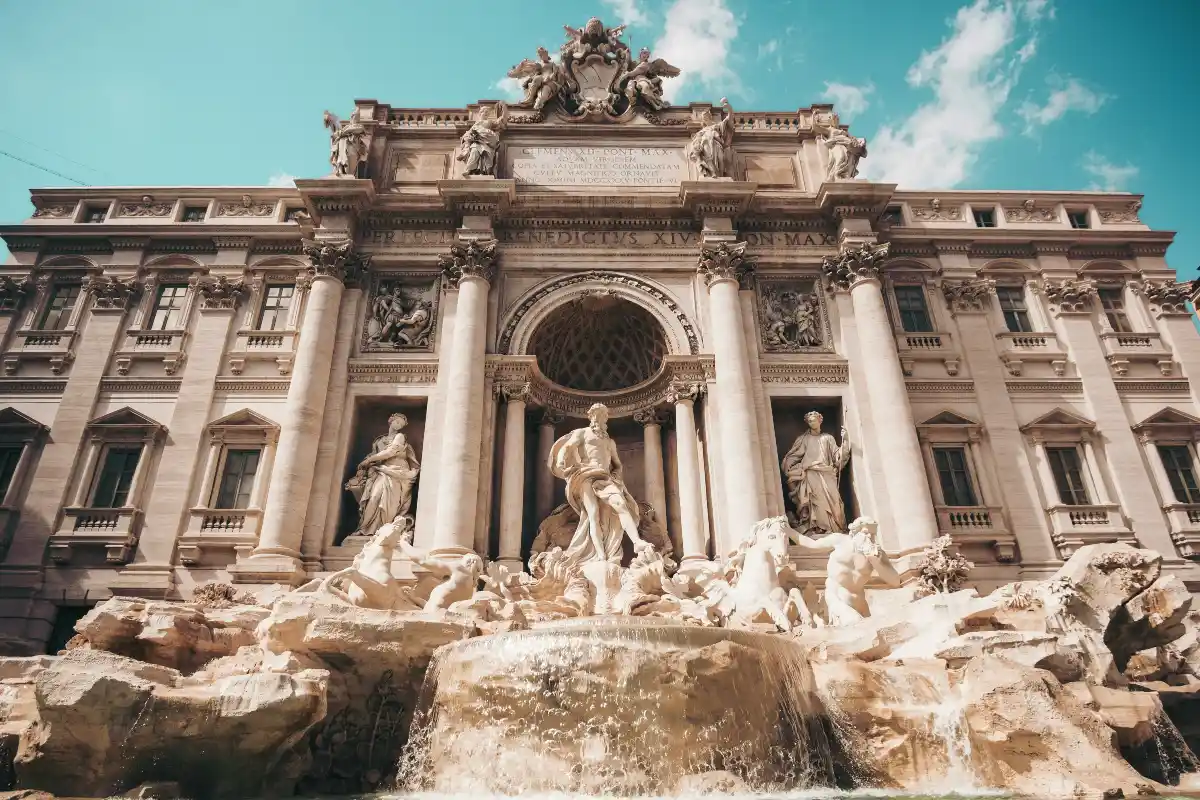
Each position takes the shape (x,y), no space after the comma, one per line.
(821,544)
(885,570)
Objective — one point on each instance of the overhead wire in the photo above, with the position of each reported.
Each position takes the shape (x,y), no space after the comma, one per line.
(43,169)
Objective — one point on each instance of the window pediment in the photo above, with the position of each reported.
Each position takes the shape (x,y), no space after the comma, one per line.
(1169,424)
(15,425)
(1060,425)
(126,422)
(949,426)
(243,425)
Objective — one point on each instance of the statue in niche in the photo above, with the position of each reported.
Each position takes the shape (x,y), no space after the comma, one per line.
(400,319)
(791,319)
(853,558)
(347,144)
(711,148)
(845,151)
(813,468)
(383,483)
(644,80)
(478,146)
(542,79)
(586,458)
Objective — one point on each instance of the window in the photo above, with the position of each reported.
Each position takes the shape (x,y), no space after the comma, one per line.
(10,456)
(954,476)
(1012,304)
(914,314)
(94,213)
(194,213)
(277,300)
(1112,301)
(984,218)
(237,480)
(57,314)
(1177,460)
(1079,219)
(168,308)
(116,477)
(1068,475)
(893,215)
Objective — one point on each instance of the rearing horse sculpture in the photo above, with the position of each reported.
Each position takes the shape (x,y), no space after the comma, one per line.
(750,589)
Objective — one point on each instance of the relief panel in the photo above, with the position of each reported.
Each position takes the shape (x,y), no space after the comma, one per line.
(792,316)
(401,313)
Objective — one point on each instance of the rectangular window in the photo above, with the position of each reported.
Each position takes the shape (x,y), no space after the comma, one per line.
(984,218)
(57,314)
(1112,302)
(951,463)
(10,456)
(193,214)
(237,479)
(116,477)
(914,314)
(277,300)
(1068,475)
(1177,460)
(168,308)
(1079,219)
(1016,313)
(893,215)
(94,213)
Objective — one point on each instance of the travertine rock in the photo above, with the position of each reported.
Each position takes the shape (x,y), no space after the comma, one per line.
(1106,577)
(109,723)
(1152,618)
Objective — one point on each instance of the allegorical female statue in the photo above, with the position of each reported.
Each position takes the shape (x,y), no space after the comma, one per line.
(347,144)
(384,480)
(813,467)
(477,147)
(711,147)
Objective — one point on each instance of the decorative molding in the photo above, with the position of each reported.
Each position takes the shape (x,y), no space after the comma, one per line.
(725,262)
(804,373)
(24,244)
(13,291)
(157,385)
(334,258)
(472,259)
(1067,296)
(1121,216)
(290,247)
(246,208)
(1044,387)
(968,296)
(935,211)
(54,211)
(914,250)
(148,207)
(183,246)
(1029,212)
(854,265)
(36,386)
(679,391)
(1002,251)
(1170,297)
(423,372)
(940,387)
(1152,386)
(109,293)
(220,293)
(253,385)
(402,313)
(232,242)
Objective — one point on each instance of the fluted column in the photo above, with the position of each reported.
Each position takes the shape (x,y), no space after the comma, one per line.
(469,268)
(856,269)
(722,266)
(687,453)
(277,556)
(545,481)
(651,420)
(512,475)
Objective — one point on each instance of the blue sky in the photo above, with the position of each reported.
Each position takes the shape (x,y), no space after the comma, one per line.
(1024,94)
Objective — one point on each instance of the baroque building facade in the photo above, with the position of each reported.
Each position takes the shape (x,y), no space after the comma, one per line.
(197,381)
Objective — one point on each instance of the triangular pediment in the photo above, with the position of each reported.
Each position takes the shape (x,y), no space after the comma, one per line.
(11,418)
(949,418)
(126,418)
(244,418)
(1059,418)
(1169,416)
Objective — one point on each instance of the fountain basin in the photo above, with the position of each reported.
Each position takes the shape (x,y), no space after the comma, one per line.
(618,705)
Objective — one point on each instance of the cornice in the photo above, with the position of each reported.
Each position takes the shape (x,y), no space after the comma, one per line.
(1044,387)
(940,387)
(253,385)
(32,385)
(410,371)
(804,373)
(141,385)
(1134,386)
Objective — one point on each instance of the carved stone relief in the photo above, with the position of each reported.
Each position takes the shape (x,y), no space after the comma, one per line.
(148,207)
(247,207)
(1118,216)
(401,313)
(935,211)
(791,316)
(1029,212)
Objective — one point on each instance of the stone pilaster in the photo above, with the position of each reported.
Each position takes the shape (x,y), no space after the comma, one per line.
(512,474)
(857,270)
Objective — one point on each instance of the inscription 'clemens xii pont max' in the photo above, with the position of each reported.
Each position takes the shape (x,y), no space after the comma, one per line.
(598,166)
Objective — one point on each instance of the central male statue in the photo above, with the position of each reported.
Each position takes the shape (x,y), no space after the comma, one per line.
(586,458)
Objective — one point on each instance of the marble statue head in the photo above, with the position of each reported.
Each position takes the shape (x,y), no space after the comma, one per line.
(866,526)
(598,414)
(544,55)
(397,422)
(644,54)
(814,420)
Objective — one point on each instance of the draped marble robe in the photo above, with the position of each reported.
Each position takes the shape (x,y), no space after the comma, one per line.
(813,468)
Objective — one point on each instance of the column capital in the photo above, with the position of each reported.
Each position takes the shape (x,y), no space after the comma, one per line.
(219,293)
(333,258)
(111,294)
(727,261)
(854,265)
(514,392)
(650,416)
(474,258)
(1068,296)
(968,296)
(682,391)
(13,292)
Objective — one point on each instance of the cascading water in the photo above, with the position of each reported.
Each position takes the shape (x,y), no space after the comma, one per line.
(623,706)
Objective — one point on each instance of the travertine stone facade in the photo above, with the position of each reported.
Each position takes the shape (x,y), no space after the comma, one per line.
(192,375)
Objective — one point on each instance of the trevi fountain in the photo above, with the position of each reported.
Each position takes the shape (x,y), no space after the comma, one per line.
(604,665)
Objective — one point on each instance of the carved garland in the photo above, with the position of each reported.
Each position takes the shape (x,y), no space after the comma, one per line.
(602,277)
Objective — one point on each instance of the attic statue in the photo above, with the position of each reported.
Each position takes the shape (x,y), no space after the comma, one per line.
(478,146)
(347,144)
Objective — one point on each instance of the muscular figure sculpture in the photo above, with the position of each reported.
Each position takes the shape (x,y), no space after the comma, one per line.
(586,458)
(853,558)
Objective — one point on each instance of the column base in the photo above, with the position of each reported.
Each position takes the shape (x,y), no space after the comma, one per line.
(271,567)
(148,581)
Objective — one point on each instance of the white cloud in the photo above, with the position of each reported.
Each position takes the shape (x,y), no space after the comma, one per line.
(628,12)
(1109,177)
(1067,95)
(848,101)
(768,47)
(282,179)
(697,35)
(971,74)
(510,88)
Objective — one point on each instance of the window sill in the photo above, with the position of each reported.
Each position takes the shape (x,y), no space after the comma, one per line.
(255,345)
(150,345)
(114,529)
(1073,527)
(29,344)
(219,529)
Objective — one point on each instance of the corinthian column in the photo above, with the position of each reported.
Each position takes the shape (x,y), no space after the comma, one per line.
(651,420)
(512,475)
(277,556)
(722,267)
(469,268)
(687,446)
(856,270)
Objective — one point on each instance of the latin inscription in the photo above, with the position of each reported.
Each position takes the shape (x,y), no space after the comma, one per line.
(617,240)
(597,166)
